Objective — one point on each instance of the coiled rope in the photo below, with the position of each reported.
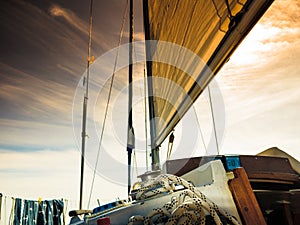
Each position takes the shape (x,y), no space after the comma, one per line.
(189,207)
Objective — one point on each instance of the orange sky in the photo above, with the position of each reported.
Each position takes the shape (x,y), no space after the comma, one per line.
(41,64)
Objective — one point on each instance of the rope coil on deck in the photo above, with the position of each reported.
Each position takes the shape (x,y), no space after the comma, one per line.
(190,207)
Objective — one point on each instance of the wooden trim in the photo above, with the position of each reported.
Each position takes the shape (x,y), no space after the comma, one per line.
(245,199)
(273,176)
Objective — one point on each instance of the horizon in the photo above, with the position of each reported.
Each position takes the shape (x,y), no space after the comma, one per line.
(42,63)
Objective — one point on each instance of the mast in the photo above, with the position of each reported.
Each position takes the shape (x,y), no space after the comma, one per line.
(154,149)
(85,103)
(130,134)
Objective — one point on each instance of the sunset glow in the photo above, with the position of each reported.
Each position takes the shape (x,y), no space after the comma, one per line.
(43,57)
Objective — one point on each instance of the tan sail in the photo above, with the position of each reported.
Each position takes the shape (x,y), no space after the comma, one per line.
(209,29)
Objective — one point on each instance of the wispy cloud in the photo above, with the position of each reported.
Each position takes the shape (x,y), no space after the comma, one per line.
(81,25)
(284,14)
(35,98)
(260,84)
(69,16)
(276,34)
(268,53)
(27,135)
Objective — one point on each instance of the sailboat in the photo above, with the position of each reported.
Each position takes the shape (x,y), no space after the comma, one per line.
(186,44)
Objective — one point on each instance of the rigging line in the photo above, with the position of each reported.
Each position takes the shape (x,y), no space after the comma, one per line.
(135,164)
(145,108)
(216,8)
(220,17)
(146,126)
(213,118)
(228,9)
(201,133)
(108,99)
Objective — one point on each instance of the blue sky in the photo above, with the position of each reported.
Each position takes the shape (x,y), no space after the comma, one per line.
(43,52)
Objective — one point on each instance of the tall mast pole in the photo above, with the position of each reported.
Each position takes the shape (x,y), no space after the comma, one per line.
(85,103)
(154,149)
(130,134)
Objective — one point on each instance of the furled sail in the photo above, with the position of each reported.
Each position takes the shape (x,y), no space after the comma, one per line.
(194,38)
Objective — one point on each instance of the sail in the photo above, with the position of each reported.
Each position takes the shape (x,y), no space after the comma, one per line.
(194,39)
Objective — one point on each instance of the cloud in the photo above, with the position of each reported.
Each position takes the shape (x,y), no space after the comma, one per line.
(284,14)
(69,16)
(81,25)
(29,96)
(41,62)
(276,34)
(40,74)
(260,84)
(269,52)
(27,135)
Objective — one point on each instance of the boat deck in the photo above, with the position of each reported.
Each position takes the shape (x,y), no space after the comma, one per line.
(273,180)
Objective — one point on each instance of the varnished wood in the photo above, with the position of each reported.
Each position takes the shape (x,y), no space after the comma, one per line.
(245,199)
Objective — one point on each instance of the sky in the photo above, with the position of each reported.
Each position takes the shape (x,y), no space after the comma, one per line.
(42,62)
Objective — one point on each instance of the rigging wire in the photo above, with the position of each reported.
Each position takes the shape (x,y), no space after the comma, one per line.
(146,126)
(201,134)
(220,17)
(216,8)
(135,164)
(213,118)
(228,9)
(108,99)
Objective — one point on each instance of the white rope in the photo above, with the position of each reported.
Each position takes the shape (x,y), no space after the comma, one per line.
(190,207)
